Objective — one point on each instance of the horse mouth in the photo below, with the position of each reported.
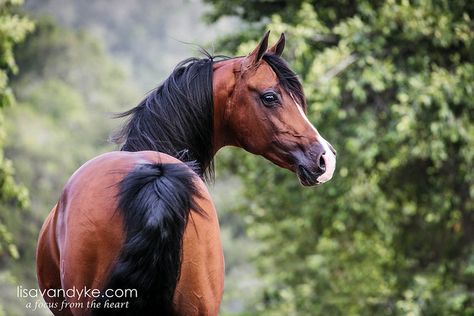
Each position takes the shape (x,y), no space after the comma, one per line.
(306,177)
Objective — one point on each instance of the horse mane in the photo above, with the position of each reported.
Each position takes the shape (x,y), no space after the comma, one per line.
(176,118)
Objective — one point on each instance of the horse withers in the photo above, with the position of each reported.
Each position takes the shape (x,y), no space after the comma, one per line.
(135,231)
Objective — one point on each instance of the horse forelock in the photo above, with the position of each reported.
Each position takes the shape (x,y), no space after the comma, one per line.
(287,77)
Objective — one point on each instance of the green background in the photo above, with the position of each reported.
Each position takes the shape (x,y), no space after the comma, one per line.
(389,83)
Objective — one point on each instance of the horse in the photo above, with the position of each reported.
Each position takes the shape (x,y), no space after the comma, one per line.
(135,231)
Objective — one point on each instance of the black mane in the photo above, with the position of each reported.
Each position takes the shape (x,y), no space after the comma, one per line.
(176,118)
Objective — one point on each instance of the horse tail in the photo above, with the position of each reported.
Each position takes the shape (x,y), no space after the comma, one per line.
(155,201)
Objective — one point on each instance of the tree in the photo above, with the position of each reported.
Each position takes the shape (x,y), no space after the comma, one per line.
(390,85)
(13,29)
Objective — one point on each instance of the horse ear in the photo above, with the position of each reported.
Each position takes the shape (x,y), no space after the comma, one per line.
(277,49)
(256,55)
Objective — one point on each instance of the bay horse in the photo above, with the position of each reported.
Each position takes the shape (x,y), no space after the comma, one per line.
(141,219)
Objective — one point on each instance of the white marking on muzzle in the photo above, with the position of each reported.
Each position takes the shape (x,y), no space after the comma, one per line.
(329,160)
(329,157)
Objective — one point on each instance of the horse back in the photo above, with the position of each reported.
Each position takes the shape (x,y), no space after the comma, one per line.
(82,239)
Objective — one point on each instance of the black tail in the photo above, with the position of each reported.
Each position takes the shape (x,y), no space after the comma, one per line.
(155,201)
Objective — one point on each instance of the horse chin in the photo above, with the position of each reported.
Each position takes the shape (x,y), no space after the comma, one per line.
(307,178)
(307,183)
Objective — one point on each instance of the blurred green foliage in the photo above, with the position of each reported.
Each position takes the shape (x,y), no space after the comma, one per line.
(148,37)
(391,85)
(13,29)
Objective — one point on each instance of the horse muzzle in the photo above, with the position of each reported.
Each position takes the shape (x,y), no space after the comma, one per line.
(316,165)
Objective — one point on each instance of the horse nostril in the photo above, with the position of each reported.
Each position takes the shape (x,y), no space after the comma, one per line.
(322,163)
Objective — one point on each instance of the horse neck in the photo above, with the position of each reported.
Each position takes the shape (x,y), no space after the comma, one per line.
(222,86)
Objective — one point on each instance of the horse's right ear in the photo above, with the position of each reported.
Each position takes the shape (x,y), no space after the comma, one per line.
(256,55)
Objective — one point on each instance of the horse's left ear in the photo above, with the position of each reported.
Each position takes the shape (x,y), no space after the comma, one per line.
(277,49)
(256,55)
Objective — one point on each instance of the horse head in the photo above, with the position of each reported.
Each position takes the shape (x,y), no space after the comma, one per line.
(259,105)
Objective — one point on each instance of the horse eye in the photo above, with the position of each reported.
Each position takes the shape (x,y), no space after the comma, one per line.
(269,99)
